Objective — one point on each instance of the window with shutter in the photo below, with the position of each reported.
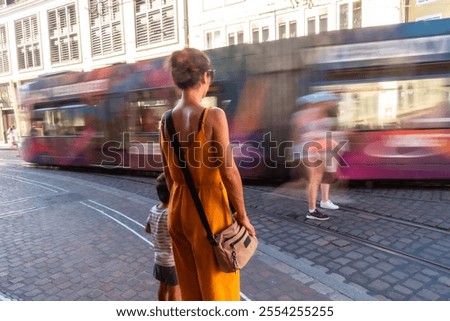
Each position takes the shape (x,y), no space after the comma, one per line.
(343,16)
(240,37)
(155,22)
(292,29)
(27,42)
(311,25)
(4,56)
(357,19)
(231,40)
(282,30)
(260,32)
(106,27)
(323,22)
(63,30)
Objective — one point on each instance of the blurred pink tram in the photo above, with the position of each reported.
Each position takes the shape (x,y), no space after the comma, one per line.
(394,84)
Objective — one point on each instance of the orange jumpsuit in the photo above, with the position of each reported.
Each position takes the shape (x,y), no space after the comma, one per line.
(198,272)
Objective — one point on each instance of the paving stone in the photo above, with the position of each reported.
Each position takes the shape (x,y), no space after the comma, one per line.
(373,273)
(346,271)
(378,285)
(413,284)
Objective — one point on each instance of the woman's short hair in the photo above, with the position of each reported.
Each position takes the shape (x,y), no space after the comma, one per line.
(161,189)
(187,67)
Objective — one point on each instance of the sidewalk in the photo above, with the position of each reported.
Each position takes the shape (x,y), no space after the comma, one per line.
(6,146)
(272,275)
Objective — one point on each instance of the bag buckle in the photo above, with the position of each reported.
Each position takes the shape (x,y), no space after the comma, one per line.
(213,240)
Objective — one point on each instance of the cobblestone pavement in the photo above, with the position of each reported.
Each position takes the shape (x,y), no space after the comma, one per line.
(79,236)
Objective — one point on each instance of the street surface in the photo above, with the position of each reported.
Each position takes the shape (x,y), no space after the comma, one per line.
(79,235)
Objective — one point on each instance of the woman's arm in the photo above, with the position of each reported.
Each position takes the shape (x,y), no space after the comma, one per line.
(162,134)
(228,169)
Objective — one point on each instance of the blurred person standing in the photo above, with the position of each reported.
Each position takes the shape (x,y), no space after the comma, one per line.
(164,268)
(13,137)
(313,125)
(204,138)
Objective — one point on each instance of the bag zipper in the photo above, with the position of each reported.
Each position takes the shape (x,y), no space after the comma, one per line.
(229,238)
(240,238)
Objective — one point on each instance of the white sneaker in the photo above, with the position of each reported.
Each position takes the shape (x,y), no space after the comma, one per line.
(329,205)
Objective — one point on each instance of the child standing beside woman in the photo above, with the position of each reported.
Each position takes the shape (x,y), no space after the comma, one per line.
(164,268)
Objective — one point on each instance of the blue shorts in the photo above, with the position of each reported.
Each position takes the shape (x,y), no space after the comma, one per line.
(166,274)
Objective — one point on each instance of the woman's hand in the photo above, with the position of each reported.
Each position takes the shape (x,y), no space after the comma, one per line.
(245,222)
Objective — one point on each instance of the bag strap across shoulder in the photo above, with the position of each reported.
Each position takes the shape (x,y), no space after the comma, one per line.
(187,176)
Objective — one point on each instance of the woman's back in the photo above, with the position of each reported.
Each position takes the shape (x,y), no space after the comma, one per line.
(197,148)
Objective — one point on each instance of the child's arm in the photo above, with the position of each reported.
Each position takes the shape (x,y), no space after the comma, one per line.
(147,225)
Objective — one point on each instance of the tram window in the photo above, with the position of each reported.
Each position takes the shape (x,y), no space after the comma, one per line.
(37,124)
(144,118)
(144,111)
(62,121)
(410,96)
(400,98)
(225,105)
(407,104)
(209,101)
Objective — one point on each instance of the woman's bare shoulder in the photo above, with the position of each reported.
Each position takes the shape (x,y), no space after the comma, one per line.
(216,121)
(216,113)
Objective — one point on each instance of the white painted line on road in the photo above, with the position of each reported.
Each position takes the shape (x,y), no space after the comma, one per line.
(246,298)
(117,212)
(4,298)
(52,188)
(18,200)
(20,212)
(119,222)
(58,176)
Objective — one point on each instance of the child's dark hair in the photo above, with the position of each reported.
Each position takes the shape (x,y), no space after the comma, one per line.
(161,189)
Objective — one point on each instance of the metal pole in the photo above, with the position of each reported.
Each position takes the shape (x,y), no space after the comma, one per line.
(2,125)
(186,23)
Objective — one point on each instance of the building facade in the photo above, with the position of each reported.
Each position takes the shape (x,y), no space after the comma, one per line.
(417,10)
(40,37)
(227,22)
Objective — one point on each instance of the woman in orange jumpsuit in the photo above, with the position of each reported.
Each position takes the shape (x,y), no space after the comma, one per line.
(203,136)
